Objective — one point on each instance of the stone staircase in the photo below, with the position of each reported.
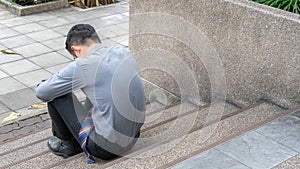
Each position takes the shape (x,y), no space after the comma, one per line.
(170,135)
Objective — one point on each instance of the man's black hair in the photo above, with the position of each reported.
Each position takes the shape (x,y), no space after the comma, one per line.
(79,35)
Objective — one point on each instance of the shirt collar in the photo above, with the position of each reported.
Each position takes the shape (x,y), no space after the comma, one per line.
(96,47)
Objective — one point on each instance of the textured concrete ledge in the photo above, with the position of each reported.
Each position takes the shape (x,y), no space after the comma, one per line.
(26,10)
(256,47)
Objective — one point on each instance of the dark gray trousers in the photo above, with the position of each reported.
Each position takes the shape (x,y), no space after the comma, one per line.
(67,115)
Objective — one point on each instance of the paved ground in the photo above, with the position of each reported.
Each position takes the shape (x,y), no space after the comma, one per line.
(39,38)
(263,148)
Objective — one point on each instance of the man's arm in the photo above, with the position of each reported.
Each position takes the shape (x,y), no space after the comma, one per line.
(65,81)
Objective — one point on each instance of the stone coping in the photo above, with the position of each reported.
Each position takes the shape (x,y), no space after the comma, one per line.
(26,10)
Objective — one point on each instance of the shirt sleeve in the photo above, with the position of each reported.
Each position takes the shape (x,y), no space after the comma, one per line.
(63,82)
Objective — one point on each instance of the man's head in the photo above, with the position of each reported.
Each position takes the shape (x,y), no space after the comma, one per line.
(79,39)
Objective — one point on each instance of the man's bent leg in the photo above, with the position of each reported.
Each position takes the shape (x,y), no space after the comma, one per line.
(66,113)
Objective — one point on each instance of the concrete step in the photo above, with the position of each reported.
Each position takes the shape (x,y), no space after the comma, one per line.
(198,140)
(156,135)
(169,137)
(25,141)
(34,150)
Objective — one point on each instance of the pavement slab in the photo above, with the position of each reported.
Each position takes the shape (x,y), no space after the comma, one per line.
(288,135)
(32,78)
(8,58)
(56,68)
(54,22)
(39,17)
(49,59)
(6,15)
(2,47)
(15,22)
(44,35)
(212,159)
(28,28)
(17,41)
(35,49)
(19,99)
(18,67)
(56,44)
(63,30)
(3,74)
(9,84)
(66,54)
(3,108)
(257,151)
(7,32)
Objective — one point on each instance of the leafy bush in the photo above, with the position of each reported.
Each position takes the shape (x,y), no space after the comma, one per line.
(29,2)
(288,5)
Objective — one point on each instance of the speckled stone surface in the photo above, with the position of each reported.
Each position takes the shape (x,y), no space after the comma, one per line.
(80,163)
(180,126)
(39,162)
(23,153)
(24,141)
(158,94)
(167,113)
(47,158)
(160,155)
(255,44)
(292,163)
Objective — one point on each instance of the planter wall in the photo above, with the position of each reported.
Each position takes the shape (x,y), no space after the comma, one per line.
(26,10)
(257,48)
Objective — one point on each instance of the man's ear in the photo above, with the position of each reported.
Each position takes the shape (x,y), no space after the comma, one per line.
(76,50)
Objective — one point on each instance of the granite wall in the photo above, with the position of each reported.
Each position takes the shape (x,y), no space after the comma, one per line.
(207,49)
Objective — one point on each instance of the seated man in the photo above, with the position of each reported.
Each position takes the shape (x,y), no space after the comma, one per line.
(109,122)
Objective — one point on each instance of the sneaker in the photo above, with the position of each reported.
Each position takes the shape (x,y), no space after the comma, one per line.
(63,148)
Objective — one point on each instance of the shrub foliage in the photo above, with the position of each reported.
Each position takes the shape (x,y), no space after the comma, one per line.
(288,5)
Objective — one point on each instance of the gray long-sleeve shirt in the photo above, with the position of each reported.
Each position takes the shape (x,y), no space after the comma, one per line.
(110,80)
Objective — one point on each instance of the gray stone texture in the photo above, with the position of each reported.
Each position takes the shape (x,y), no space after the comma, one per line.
(17,41)
(53,22)
(7,32)
(9,84)
(212,159)
(30,79)
(3,75)
(3,108)
(28,28)
(257,151)
(9,58)
(255,44)
(19,99)
(14,22)
(18,67)
(56,44)
(34,49)
(49,59)
(57,68)
(285,131)
(44,35)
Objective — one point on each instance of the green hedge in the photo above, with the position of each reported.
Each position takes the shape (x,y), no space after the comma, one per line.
(288,5)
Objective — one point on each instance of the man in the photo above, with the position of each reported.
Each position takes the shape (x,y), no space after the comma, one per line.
(109,122)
